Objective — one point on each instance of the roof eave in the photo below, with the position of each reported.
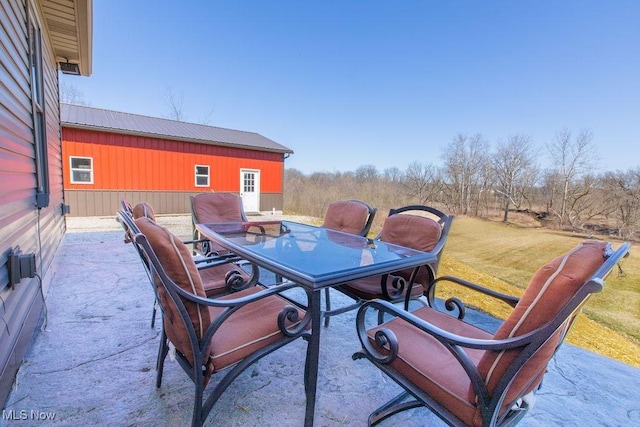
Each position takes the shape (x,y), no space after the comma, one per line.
(173,138)
(85,36)
(70,30)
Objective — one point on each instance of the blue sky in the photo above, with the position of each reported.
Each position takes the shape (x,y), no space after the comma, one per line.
(349,83)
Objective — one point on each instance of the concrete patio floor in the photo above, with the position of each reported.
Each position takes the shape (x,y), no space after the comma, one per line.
(94,363)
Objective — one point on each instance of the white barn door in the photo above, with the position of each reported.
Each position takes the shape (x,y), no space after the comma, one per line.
(250,189)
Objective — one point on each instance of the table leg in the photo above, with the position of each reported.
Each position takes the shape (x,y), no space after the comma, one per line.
(313,353)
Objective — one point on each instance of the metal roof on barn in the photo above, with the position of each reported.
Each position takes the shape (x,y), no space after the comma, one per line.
(83,117)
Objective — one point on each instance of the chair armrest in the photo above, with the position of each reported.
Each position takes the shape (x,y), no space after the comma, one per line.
(440,334)
(455,303)
(456,344)
(233,304)
(234,280)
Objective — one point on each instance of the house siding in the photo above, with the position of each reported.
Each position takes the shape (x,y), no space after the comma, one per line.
(160,171)
(37,231)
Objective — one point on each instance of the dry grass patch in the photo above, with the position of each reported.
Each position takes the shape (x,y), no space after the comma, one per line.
(586,333)
(504,257)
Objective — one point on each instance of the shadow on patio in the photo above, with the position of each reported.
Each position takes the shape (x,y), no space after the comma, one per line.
(94,364)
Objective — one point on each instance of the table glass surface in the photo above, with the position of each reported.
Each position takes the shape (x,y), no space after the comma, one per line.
(312,255)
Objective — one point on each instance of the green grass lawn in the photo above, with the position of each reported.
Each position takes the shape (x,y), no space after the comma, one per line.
(513,253)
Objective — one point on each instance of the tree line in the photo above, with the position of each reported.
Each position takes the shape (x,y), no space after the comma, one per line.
(476,180)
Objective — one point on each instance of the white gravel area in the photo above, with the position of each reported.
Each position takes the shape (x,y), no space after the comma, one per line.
(180,225)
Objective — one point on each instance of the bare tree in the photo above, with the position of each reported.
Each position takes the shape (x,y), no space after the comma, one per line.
(421,182)
(572,158)
(584,204)
(465,166)
(392,174)
(175,103)
(70,94)
(206,118)
(621,191)
(366,173)
(512,164)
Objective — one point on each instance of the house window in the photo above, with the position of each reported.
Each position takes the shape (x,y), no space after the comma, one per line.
(202,176)
(81,170)
(38,113)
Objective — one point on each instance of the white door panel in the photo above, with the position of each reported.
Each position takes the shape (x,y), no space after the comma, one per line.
(250,189)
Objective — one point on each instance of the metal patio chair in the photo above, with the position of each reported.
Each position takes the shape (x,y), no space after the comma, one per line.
(144,209)
(228,333)
(210,208)
(468,376)
(124,203)
(349,216)
(416,226)
(220,274)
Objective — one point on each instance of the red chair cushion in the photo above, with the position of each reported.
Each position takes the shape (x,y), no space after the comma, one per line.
(549,290)
(430,365)
(217,207)
(178,264)
(143,209)
(252,327)
(411,231)
(349,216)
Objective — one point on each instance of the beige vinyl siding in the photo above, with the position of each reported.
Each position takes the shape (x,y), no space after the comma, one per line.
(19,220)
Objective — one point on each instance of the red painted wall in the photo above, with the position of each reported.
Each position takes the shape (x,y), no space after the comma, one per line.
(130,162)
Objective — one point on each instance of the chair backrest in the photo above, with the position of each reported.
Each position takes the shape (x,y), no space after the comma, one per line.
(426,229)
(143,209)
(551,301)
(130,230)
(217,207)
(126,206)
(349,216)
(125,219)
(170,257)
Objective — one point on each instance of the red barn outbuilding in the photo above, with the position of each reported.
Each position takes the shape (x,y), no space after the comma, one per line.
(108,155)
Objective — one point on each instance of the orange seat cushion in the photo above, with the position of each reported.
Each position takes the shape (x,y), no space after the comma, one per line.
(143,209)
(252,327)
(217,207)
(549,290)
(416,232)
(178,264)
(430,365)
(412,231)
(349,216)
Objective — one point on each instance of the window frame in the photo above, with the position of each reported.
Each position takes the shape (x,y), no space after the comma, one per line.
(38,114)
(72,169)
(200,175)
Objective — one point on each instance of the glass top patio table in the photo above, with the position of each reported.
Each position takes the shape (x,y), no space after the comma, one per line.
(314,257)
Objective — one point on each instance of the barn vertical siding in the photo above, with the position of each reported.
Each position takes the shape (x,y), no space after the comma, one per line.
(21,224)
(161,169)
